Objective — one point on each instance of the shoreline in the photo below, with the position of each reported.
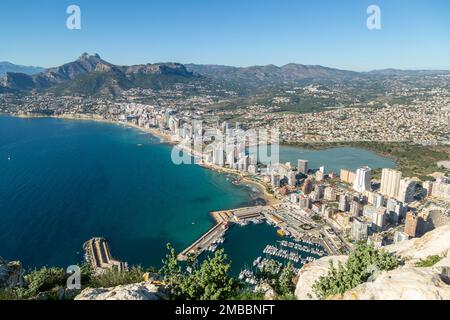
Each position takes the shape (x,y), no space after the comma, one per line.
(270,199)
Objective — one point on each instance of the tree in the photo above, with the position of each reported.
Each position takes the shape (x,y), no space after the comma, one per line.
(171,272)
(206,281)
(286,283)
(211,280)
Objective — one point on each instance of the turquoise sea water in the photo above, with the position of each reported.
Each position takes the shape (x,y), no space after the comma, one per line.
(335,159)
(67,181)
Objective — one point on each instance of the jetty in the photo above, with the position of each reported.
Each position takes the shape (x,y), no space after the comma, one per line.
(223,219)
(98,255)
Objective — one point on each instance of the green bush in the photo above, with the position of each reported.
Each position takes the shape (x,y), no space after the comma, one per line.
(286,284)
(44,279)
(247,294)
(208,281)
(9,294)
(112,278)
(363,262)
(428,262)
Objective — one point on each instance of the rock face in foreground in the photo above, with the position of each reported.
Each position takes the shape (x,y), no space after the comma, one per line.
(11,274)
(404,283)
(136,291)
(436,242)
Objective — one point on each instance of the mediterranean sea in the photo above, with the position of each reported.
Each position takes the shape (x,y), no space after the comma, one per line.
(65,181)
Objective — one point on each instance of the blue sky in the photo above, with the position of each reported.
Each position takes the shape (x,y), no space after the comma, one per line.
(415,34)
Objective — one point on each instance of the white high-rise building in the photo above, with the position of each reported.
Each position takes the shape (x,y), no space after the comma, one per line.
(390,182)
(362,180)
(379,218)
(359,230)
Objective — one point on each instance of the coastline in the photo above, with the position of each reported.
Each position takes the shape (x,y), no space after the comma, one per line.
(270,199)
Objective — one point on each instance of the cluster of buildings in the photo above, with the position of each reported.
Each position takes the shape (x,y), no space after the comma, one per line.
(438,189)
(362,211)
(391,123)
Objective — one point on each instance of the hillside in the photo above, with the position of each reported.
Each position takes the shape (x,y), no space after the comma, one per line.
(90,75)
(269,75)
(10,67)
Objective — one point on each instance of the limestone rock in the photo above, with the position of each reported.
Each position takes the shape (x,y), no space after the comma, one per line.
(137,291)
(436,242)
(406,283)
(11,273)
(311,272)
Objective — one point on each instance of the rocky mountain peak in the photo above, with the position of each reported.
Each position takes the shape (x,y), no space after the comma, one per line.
(87,56)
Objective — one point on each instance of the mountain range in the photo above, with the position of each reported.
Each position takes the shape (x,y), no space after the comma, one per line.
(10,67)
(257,76)
(91,75)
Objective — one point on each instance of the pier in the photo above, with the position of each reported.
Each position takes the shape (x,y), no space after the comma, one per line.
(223,219)
(99,257)
(208,239)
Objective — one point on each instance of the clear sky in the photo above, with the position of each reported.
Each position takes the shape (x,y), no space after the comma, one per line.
(415,34)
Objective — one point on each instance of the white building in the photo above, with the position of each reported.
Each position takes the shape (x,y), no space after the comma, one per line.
(362,180)
(359,231)
(379,218)
(390,182)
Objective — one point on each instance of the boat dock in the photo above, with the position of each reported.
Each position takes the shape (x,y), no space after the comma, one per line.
(99,257)
(204,242)
(223,218)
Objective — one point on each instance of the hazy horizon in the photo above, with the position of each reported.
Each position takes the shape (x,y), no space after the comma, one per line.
(232,33)
(225,65)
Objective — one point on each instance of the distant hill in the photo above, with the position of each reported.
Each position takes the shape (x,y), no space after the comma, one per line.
(91,75)
(270,74)
(398,72)
(9,67)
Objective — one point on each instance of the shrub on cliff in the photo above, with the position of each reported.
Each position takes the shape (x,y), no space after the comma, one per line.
(206,281)
(44,279)
(112,278)
(363,262)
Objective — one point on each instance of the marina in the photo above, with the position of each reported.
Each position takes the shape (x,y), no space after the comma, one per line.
(295,252)
(216,235)
(303,249)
